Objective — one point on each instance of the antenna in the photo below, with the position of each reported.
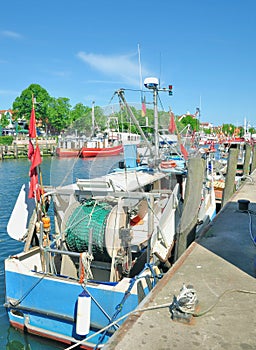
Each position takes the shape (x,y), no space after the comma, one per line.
(140,70)
(160,70)
(143,100)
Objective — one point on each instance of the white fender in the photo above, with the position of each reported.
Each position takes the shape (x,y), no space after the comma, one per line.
(83,316)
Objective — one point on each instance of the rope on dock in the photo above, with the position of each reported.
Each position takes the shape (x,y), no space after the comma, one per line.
(156,307)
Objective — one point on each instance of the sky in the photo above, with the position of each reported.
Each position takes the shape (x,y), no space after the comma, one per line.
(86,50)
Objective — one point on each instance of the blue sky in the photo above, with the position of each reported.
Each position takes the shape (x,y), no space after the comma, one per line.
(85,50)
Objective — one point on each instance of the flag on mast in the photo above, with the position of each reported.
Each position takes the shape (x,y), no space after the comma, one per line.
(172,124)
(33,154)
(143,107)
(33,183)
(30,150)
(184,151)
(36,158)
(32,123)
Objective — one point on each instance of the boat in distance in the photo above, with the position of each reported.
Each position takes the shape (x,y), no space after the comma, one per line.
(101,151)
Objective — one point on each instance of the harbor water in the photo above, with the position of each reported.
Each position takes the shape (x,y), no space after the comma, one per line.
(13,174)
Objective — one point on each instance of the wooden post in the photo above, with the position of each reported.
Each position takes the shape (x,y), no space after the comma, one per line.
(247,159)
(15,152)
(193,195)
(253,164)
(229,188)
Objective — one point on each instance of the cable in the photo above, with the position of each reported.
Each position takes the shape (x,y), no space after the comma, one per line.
(249,212)
(218,299)
(155,307)
(250,228)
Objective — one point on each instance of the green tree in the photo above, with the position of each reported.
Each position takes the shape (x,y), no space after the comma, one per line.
(193,122)
(23,104)
(228,129)
(81,119)
(58,114)
(4,122)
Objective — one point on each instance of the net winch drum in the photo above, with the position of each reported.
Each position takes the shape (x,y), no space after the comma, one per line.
(99,222)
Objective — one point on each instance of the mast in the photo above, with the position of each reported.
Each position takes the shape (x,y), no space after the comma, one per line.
(121,95)
(153,83)
(156,123)
(93,119)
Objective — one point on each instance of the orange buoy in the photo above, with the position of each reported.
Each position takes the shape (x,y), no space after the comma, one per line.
(46,221)
(168,164)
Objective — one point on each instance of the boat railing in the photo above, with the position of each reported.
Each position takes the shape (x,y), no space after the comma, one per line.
(85,184)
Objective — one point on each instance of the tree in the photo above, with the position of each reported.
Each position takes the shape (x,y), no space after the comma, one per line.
(81,119)
(23,104)
(4,122)
(193,122)
(58,114)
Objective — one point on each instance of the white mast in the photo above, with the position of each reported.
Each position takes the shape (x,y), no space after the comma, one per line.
(153,83)
(141,85)
(93,119)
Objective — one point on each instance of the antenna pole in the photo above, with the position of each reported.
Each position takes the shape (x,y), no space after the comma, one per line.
(93,119)
(156,123)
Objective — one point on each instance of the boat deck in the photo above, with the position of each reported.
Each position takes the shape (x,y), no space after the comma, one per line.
(221,266)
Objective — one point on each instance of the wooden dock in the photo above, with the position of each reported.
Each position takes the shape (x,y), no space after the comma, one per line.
(19,148)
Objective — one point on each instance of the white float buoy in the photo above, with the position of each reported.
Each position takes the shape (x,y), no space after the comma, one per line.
(83,316)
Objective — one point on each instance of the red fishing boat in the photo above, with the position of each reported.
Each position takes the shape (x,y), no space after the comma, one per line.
(101,151)
(67,152)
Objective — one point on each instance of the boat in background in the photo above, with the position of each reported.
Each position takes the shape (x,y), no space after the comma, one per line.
(100,148)
(101,144)
(70,145)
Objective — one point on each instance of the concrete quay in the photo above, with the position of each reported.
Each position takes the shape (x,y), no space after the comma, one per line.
(221,266)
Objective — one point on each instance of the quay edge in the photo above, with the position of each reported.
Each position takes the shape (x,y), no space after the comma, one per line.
(220,265)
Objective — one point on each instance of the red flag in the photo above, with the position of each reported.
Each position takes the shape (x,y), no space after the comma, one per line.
(30,150)
(184,151)
(32,124)
(36,159)
(33,183)
(143,108)
(172,125)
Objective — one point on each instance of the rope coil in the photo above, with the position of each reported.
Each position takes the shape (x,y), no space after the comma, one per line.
(85,267)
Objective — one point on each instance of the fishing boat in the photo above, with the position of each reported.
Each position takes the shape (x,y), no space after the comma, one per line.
(87,266)
(100,144)
(96,148)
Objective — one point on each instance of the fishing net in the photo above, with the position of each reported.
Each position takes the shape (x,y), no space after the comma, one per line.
(88,218)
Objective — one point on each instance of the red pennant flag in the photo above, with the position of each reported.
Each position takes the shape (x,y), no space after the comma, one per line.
(33,183)
(184,151)
(36,159)
(143,108)
(32,124)
(172,125)
(30,150)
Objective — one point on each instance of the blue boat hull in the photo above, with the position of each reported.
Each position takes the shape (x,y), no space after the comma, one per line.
(47,305)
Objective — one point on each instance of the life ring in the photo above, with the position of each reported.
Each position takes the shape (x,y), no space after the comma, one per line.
(168,164)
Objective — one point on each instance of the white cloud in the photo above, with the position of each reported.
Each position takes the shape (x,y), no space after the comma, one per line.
(122,67)
(7,92)
(11,34)
(61,73)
